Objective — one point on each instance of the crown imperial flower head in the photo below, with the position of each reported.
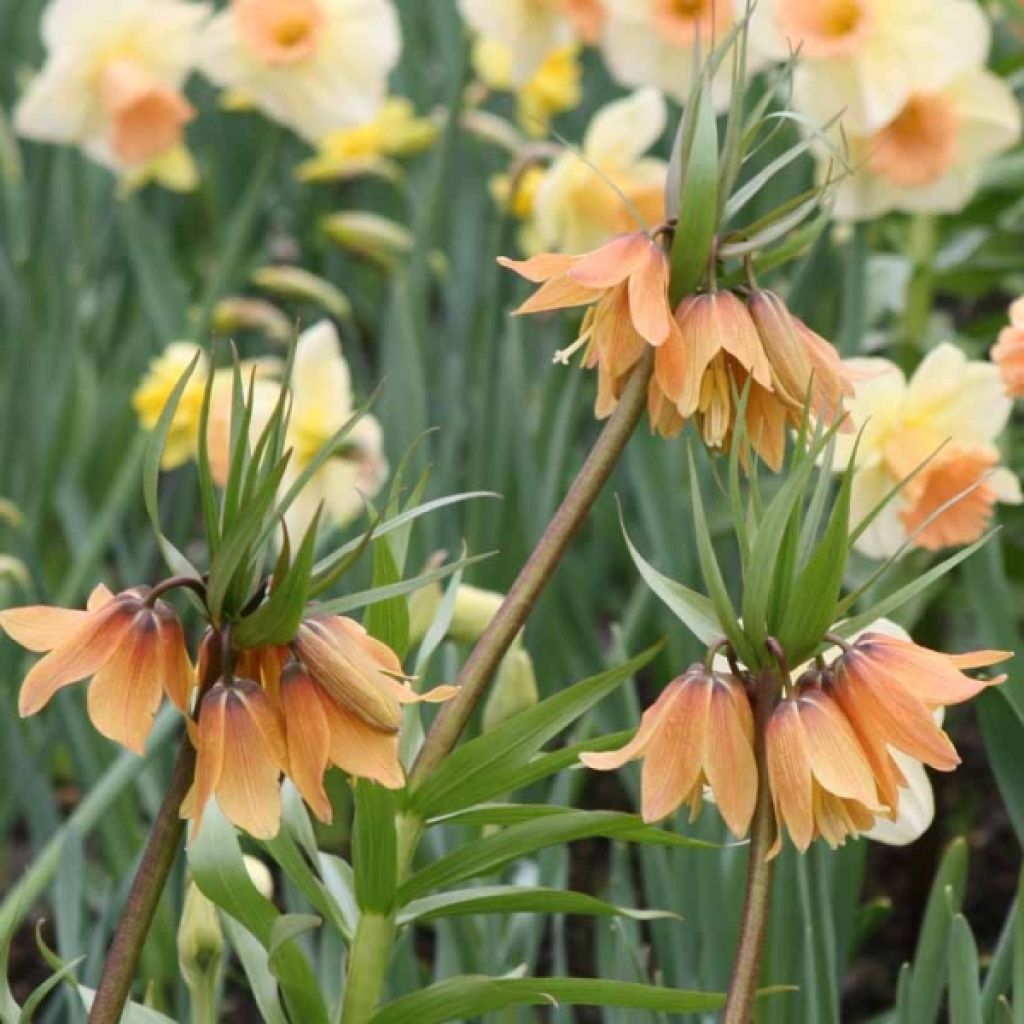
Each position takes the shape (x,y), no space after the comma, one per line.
(132,649)
(699,732)
(240,754)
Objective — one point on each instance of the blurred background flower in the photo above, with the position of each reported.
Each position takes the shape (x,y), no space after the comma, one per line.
(112,84)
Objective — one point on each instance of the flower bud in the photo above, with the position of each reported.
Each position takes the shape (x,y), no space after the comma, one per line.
(238,313)
(200,939)
(474,609)
(514,689)
(423,606)
(296,283)
(370,235)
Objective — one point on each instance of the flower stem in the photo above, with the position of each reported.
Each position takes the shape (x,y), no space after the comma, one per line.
(137,915)
(371,945)
(746,969)
(533,577)
(367,967)
(920,288)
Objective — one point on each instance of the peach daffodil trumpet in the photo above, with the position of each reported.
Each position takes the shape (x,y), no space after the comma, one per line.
(130,645)
(1008,351)
(699,732)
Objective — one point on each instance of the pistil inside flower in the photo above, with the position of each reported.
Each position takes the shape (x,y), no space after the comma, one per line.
(147,116)
(919,145)
(280,32)
(825,28)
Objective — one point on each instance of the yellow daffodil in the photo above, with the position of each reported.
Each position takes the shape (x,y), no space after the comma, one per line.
(313,65)
(867,58)
(929,157)
(951,405)
(152,394)
(395,131)
(578,204)
(555,87)
(112,84)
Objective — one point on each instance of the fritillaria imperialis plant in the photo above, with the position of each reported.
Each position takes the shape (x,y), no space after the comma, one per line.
(791,723)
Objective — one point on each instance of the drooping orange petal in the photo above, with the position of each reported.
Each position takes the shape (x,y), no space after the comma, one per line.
(176,672)
(125,693)
(979,659)
(836,758)
(348,673)
(308,739)
(80,655)
(887,774)
(648,300)
(360,750)
(676,752)
(209,742)
(40,627)
(539,268)
(676,372)
(765,419)
(931,676)
(789,772)
(558,293)
(619,346)
(613,262)
(255,753)
(729,762)
(612,760)
(900,717)
(729,322)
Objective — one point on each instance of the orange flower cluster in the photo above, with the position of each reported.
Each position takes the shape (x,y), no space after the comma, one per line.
(829,742)
(133,649)
(707,351)
(333,697)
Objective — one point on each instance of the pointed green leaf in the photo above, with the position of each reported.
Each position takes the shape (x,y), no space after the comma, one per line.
(488,855)
(489,765)
(698,200)
(694,610)
(516,899)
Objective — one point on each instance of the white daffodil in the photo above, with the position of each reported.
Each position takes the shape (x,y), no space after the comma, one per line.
(112,84)
(951,405)
(929,157)
(867,58)
(314,65)
(579,204)
(655,42)
(321,402)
